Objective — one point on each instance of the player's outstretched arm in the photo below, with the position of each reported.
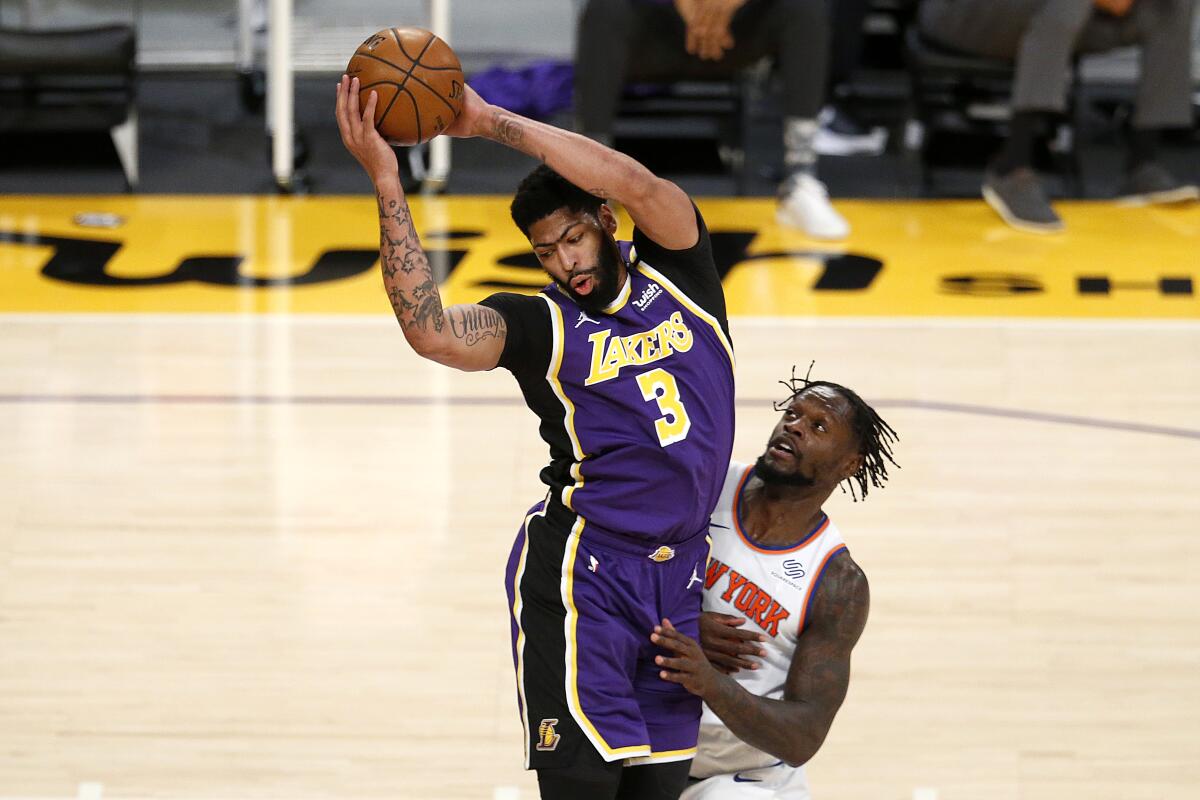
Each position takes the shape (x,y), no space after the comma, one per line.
(658,207)
(468,337)
(793,728)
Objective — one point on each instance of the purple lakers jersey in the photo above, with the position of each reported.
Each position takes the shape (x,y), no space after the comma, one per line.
(636,402)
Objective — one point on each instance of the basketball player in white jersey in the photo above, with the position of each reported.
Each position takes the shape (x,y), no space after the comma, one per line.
(784,602)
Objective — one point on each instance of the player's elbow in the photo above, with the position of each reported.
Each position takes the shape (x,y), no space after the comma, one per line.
(430,346)
(801,749)
(641,187)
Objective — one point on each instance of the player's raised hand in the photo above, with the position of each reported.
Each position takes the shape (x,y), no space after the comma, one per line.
(357,127)
(686,664)
(473,117)
(727,645)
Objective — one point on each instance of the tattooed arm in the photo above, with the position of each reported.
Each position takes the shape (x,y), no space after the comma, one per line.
(793,728)
(468,337)
(658,207)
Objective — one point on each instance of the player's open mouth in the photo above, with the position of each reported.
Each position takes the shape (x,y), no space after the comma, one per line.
(582,284)
(782,448)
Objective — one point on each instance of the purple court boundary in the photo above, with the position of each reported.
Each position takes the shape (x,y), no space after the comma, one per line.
(359,400)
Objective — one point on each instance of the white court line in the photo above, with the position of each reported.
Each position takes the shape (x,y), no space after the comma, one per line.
(90,791)
(506,793)
(1081,323)
(925,793)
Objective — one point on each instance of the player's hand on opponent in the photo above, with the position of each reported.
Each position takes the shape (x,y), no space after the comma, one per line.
(727,645)
(357,127)
(687,664)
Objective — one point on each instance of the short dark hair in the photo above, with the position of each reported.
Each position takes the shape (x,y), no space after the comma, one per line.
(543,192)
(875,437)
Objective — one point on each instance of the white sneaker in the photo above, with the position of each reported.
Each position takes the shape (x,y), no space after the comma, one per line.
(804,204)
(838,135)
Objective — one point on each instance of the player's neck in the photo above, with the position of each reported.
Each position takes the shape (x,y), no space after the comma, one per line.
(779,515)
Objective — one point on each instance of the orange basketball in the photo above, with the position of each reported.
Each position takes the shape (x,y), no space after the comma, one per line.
(418,79)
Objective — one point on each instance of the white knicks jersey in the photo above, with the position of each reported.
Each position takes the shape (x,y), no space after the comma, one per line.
(773,589)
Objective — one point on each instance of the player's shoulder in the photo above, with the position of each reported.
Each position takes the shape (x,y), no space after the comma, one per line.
(528,341)
(843,587)
(663,258)
(846,570)
(735,476)
(720,522)
(512,302)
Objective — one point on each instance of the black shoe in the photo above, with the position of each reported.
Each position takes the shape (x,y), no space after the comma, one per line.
(839,134)
(1151,182)
(1019,199)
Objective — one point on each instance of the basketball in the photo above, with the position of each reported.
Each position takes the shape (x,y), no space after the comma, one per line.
(418,79)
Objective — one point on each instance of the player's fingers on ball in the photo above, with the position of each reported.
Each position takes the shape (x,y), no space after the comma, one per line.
(368,116)
(352,100)
(339,106)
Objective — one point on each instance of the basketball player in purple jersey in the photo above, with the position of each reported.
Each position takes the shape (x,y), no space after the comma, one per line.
(626,359)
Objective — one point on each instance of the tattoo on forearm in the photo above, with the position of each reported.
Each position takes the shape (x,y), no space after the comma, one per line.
(414,294)
(473,324)
(507,130)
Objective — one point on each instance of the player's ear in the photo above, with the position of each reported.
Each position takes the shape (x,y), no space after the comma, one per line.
(851,465)
(608,220)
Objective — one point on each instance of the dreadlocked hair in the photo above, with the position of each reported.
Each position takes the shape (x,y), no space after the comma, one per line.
(875,437)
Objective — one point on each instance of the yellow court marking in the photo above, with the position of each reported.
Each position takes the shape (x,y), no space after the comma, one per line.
(315,255)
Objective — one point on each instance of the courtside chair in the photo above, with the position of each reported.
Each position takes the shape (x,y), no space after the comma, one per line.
(961,93)
(68,80)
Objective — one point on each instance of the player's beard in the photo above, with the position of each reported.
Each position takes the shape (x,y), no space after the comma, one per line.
(774,477)
(604,279)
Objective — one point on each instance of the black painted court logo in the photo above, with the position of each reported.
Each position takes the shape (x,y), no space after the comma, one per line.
(547,738)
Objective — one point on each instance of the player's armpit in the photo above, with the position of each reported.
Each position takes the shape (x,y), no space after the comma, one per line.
(472,338)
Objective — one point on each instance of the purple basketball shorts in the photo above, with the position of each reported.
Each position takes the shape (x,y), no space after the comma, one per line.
(583,604)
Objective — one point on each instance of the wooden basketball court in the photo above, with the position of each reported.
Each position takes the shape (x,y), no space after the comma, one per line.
(252,547)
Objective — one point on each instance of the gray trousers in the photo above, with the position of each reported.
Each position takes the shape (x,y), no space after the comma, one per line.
(627,40)
(1042,37)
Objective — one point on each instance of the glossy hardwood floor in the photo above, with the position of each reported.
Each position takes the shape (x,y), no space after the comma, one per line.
(261,557)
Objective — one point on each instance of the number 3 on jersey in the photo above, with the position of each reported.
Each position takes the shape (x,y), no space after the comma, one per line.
(659,385)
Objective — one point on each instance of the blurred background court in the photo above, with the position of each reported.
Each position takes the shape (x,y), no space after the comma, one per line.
(251,546)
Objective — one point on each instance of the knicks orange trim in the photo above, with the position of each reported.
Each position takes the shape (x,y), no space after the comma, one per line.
(816,581)
(770,551)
